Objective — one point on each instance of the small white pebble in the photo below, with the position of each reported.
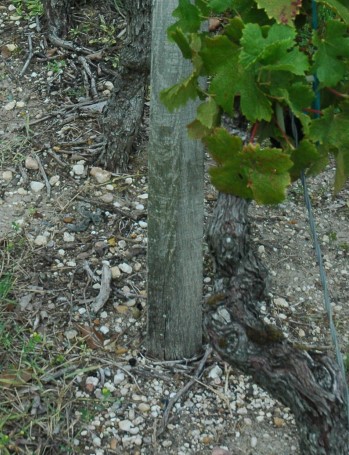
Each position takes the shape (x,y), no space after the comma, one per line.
(36,186)
(125,268)
(67,237)
(97,442)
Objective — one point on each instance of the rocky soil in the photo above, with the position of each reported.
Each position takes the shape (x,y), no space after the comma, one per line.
(74,374)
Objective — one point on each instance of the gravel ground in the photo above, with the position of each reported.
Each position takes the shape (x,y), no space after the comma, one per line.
(63,221)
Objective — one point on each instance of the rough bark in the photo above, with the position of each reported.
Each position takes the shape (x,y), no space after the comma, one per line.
(175,208)
(123,114)
(57,17)
(308,382)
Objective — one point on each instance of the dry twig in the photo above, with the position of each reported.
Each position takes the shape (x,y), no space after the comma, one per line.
(104,291)
(44,176)
(30,55)
(184,390)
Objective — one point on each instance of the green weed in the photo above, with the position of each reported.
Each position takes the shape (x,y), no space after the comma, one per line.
(6,282)
(29,8)
(56,66)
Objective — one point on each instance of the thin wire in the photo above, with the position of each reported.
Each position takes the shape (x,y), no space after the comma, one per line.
(327,304)
(323,278)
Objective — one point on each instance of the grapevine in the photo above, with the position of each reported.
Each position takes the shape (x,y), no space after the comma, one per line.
(263,61)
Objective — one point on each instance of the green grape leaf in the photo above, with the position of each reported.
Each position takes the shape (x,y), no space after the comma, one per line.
(305,156)
(269,189)
(255,105)
(196,130)
(182,42)
(223,147)
(300,97)
(217,52)
(283,11)
(219,6)
(331,130)
(231,179)
(203,7)
(294,61)
(208,113)
(328,63)
(297,96)
(189,20)
(226,150)
(272,49)
(233,29)
(179,94)
(268,173)
(337,6)
(248,171)
(220,60)
(249,12)
(224,86)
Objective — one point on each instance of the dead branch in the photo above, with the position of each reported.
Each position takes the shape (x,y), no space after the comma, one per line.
(30,55)
(184,390)
(105,289)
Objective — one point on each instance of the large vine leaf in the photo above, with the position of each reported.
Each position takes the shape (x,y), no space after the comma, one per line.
(294,61)
(255,46)
(220,60)
(219,6)
(283,11)
(332,130)
(188,16)
(268,173)
(182,42)
(208,113)
(246,9)
(298,95)
(222,146)
(274,51)
(306,157)
(255,105)
(203,6)
(181,93)
(248,171)
(331,49)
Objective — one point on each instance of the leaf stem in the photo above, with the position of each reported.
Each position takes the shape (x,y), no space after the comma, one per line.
(341,95)
(254,132)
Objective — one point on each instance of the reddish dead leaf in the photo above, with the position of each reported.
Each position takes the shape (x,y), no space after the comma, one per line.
(51,52)
(93,339)
(5,52)
(68,219)
(119,350)
(15,378)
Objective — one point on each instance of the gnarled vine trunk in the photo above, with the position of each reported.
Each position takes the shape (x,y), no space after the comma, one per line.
(57,17)
(308,382)
(124,111)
